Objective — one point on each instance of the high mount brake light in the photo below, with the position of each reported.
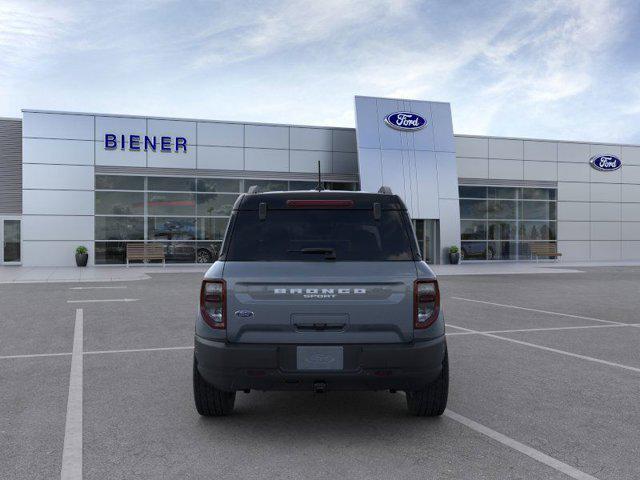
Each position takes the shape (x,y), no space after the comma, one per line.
(320,203)
(213,303)
(426,303)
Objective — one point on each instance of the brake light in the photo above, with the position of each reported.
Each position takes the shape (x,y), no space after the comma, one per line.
(426,303)
(320,203)
(213,299)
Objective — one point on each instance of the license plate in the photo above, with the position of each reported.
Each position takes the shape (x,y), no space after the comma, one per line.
(319,358)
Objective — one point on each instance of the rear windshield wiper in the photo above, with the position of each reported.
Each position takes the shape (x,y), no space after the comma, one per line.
(330,253)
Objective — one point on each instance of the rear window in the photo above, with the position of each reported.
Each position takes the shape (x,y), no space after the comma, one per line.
(316,235)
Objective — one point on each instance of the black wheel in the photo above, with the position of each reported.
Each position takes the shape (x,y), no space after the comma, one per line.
(431,401)
(211,402)
(204,256)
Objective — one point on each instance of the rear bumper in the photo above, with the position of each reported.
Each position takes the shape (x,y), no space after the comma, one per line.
(233,367)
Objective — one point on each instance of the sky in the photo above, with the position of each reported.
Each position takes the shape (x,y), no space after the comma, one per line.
(540,69)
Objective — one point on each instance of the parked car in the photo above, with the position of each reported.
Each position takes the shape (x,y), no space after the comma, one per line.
(320,291)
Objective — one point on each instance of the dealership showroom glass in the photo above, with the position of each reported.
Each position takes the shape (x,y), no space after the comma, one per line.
(105,181)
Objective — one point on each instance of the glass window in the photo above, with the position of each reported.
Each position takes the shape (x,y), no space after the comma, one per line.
(473,209)
(537,231)
(502,192)
(213,185)
(171,204)
(267,185)
(179,252)
(171,184)
(473,230)
(211,228)
(474,250)
(108,253)
(303,185)
(210,204)
(119,182)
(11,242)
(532,210)
(502,231)
(350,187)
(119,228)
(502,251)
(171,228)
(538,194)
(119,203)
(502,209)
(207,252)
(351,234)
(472,192)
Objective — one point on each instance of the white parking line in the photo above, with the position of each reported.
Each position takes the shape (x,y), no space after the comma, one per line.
(72,448)
(520,447)
(34,355)
(159,349)
(543,329)
(554,350)
(538,311)
(98,288)
(107,300)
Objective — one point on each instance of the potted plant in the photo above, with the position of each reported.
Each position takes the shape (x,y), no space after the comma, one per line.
(82,256)
(454,255)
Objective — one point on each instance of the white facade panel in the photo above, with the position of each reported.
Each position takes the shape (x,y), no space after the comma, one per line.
(266,136)
(56,227)
(120,126)
(220,158)
(367,121)
(630,174)
(172,159)
(307,161)
(605,192)
(545,151)
(605,251)
(596,176)
(311,139)
(574,152)
(391,139)
(630,193)
(472,147)
(605,230)
(66,152)
(344,141)
(57,177)
(630,212)
(447,175)
(427,137)
(52,253)
(344,162)
(442,127)
(57,125)
(573,231)
(630,250)
(574,172)
(573,192)
(506,149)
(449,226)
(428,201)
(393,174)
(506,169)
(57,202)
(220,134)
(370,167)
(547,171)
(630,230)
(119,157)
(473,167)
(630,155)
(172,128)
(605,212)
(574,251)
(605,150)
(266,160)
(574,211)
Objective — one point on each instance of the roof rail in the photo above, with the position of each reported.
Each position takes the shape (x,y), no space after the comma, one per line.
(385,190)
(253,189)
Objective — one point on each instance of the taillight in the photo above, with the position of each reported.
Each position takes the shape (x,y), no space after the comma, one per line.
(426,303)
(213,299)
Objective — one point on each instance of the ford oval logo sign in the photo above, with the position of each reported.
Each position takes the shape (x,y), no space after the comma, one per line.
(244,313)
(605,163)
(405,121)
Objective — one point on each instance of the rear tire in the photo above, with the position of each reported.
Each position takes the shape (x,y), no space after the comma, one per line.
(432,401)
(210,402)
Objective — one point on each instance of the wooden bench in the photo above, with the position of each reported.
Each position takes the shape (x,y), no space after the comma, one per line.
(145,252)
(544,250)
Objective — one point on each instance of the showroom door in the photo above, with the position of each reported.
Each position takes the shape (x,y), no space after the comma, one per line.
(10,240)
(427,234)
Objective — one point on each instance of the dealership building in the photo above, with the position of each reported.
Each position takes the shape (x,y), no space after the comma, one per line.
(106,181)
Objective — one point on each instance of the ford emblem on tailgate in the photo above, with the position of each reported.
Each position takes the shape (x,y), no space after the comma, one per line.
(605,163)
(244,313)
(405,121)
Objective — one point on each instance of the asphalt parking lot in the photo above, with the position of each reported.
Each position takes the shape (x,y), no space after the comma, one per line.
(545,384)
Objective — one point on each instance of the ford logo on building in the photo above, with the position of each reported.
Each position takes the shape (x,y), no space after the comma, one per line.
(405,121)
(605,163)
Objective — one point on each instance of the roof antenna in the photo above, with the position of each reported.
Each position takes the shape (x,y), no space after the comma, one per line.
(319,187)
